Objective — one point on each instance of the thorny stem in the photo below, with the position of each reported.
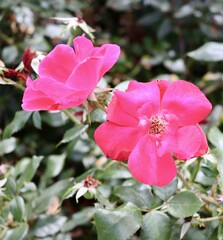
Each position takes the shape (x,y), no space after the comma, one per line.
(71,116)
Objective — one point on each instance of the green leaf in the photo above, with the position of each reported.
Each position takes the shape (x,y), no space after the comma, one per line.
(40,204)
(139,194)
(120,223)
(102,199)
(20,167)
(80,218)
(9,53)
(10,187)
(18,122)
(37,120)
(184,229)
(48,225)
(156,225)
(176,66)
(54,165)
(114,171)
(18,233)
(30,170)
(73,133)
(54,119)
(97,115)
(218,154)
(3,182)
(167,191)
(184,204)
(210,52)
(122,86)
(17,208)
(215,137)
(7,146)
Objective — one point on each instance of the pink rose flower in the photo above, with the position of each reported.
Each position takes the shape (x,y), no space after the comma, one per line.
(149,123)
(68,77)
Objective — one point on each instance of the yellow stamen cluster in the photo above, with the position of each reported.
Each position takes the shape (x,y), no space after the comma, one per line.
(157,125)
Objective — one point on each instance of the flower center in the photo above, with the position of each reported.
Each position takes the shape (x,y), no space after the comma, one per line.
(157,125)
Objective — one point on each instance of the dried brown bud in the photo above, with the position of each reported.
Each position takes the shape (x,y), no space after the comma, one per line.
(90,182)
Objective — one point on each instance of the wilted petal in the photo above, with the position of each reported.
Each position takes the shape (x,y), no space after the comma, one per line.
(149,168)
(186,101)
(116,141)
(58,64)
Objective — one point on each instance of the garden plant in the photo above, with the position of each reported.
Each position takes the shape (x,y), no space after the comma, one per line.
(111,120)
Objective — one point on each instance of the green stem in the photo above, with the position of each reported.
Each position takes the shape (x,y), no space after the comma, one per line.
(153,209)
(185,183)
(108,165)
(196,169)
(69,42)
(71,116)
(100,106)
(211,219)
(209,200)
(88,113)
(19,86)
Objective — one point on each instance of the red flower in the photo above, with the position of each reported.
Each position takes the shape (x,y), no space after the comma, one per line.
(150,122)
(67,78)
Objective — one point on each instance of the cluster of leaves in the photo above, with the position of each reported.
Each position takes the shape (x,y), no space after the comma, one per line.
(46,160)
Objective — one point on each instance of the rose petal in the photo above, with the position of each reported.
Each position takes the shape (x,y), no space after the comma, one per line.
(115,141)
(35,104)
(117,114)
(110,54)
(163,85)
(186,101)
(185,143)
(58,64)
(149,168)
(83,48)
(85,76)
(137,95)
(48,94)
(204,145)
